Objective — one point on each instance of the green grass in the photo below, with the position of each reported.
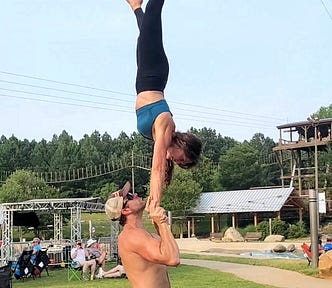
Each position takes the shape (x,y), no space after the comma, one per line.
(297,265)
(182,276)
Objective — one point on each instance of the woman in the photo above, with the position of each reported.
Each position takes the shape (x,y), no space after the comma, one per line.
(154,118)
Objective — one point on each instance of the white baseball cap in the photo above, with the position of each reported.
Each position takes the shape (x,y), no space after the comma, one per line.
(114,204)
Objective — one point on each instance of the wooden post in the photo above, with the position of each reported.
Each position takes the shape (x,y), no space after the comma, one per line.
(233,221)
(212,224)
(193,227)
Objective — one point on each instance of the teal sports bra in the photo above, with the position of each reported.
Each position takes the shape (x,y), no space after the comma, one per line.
(147,114)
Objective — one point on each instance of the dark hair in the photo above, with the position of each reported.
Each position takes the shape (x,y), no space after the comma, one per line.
(192,148)
(122,220)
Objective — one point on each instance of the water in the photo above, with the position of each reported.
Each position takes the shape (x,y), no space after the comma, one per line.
(273,255)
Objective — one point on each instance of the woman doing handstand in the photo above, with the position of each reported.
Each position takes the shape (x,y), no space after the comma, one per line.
(154,119)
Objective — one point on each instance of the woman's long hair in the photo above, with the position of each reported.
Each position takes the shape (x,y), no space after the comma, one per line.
(192,148)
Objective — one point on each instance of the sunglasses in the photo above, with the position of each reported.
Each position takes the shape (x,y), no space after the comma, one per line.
(129,196)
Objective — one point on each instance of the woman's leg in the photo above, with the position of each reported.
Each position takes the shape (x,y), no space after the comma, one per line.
(152,63)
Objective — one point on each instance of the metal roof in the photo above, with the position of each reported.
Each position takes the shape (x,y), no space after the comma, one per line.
(305,123)
(238,201)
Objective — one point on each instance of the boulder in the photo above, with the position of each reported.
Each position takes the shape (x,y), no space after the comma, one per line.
(274,238)
(279,248)
(232,235)
(291,248)
(325,265)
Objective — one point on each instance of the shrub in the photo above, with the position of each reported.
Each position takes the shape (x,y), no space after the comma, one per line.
(264,228)
(279,227)
(297,230)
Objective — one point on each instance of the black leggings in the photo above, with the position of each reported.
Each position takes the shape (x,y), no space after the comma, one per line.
(152,64)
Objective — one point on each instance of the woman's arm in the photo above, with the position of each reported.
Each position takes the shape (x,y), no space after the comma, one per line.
(163,131)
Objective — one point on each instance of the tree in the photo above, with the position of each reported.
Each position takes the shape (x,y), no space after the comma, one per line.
(269,173)
(206,174)
(24,185)
(65,152)
(182,194)
(239,168)
(105,191)
(214,145)
(323,112)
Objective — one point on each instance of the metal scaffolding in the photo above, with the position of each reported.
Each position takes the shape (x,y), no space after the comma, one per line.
(58,234)
(115,228)
(75,221)
(57,207)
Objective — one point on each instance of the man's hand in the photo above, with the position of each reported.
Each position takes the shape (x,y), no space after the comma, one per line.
(158,215)
(151,204)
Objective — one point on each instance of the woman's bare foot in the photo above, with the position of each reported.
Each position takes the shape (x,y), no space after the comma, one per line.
(134,4)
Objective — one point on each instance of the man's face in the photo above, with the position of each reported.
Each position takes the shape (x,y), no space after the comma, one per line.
(133,202)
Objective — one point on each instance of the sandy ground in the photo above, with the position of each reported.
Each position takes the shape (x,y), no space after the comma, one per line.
(232,248)
(259,274)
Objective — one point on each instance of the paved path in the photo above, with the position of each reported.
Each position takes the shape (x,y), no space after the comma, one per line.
(264,275)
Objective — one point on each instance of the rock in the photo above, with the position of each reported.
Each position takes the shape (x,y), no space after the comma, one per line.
(279,248)
(274,238)
(232,235)
(325,264)
(291,248)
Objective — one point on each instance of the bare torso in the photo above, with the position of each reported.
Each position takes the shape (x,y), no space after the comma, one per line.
(140,272)
(148,97)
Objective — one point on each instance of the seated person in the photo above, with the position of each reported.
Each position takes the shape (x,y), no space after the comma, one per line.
(79,256)
(320,245)
(328,244)
(35,249)
(116,272)
(95,253)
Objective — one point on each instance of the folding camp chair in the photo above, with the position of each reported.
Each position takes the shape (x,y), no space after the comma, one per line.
(74,271)
(307,253)
(6,276)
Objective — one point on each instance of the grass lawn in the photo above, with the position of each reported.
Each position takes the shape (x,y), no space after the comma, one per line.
(181,277)
(297,265)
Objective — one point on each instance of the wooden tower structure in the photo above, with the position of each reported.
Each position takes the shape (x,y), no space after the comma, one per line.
(299,146)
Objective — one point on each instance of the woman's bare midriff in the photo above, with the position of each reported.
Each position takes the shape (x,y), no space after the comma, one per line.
(148,97)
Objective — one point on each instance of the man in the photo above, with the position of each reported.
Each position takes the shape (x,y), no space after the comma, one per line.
(96,254)
(328,244)
(145,256)
(79,255)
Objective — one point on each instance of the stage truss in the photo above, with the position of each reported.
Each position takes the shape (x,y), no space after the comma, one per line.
(58,207)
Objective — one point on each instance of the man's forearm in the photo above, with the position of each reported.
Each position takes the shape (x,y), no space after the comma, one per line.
(168,246)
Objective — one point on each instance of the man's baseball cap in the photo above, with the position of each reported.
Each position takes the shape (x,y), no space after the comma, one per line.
(114,204)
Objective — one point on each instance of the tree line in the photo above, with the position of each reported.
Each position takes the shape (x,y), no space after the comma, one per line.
(226,164)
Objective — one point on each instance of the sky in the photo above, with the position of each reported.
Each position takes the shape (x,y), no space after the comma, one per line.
(239,67)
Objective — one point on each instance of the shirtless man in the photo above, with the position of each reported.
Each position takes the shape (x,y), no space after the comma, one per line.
(145,256)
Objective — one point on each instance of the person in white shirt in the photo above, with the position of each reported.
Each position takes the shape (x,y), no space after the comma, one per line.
(79,256)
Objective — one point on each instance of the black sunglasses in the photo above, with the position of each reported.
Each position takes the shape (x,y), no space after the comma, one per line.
(129,196)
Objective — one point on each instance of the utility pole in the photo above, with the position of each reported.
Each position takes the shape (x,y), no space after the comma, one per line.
(313,203)
(132,171)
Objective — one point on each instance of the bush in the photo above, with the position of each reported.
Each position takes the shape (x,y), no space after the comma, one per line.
(264,228)
(279,227)
(249,228)
(297,230)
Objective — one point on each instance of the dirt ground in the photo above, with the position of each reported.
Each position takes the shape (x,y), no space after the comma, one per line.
(259,274)
(233,248)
